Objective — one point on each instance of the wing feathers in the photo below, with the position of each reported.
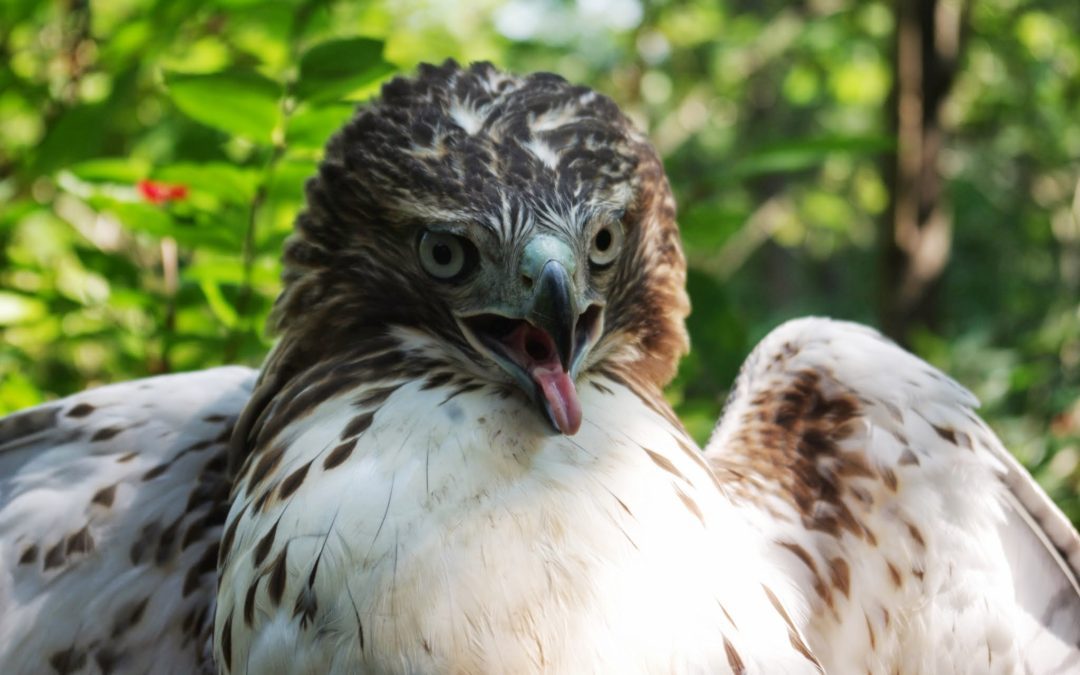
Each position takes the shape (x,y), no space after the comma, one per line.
(111,509)
(27,427)
(1043,516)
(862,457)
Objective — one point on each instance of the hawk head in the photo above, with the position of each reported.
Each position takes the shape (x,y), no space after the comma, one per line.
(521,222)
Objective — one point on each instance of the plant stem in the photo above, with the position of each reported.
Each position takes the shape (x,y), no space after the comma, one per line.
(243,299)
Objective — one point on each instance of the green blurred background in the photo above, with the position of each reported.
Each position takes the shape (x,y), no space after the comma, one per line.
(911,165)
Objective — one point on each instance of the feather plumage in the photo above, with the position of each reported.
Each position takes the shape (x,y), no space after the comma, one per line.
(111,509)
(404,486)
(920,545)
(478,541)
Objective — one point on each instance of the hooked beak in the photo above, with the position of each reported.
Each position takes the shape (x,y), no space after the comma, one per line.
(553,310)
(544,349)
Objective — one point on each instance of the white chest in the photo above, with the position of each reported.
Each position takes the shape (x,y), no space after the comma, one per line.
(462,536)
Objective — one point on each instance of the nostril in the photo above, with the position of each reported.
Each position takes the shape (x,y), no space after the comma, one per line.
(526,281)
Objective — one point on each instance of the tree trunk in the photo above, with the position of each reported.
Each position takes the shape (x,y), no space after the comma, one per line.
(917,231)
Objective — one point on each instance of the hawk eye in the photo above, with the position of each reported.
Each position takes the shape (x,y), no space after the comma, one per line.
(445,256)
(606,244)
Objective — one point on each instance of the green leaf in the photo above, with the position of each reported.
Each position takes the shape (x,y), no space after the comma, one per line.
(241,103)
(227,182)
(157,222)
(111,170)
(17,391)
(335,69)
(707,226)
(218,304)
(803,153)
(310,128)
(235,4)
(77,134)
(221,270)
(290,176)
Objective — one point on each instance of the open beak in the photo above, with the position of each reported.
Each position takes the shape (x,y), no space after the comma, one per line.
(544,350)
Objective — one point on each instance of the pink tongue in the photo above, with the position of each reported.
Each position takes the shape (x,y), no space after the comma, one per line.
(561,395)
(537,354)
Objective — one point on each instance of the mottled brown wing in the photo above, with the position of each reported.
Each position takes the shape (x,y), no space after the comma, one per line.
(919,543)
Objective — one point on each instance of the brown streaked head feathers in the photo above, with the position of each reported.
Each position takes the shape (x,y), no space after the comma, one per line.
(498,158)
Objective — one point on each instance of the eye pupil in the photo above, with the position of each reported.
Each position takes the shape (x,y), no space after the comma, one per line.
(606,244)
(442,254)
(603,240)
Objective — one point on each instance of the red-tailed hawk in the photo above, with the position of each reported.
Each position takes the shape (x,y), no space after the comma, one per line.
(458,459)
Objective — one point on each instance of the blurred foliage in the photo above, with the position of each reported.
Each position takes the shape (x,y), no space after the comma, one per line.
(153,154)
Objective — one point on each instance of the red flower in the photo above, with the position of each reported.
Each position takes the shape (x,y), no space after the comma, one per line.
(157,192)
